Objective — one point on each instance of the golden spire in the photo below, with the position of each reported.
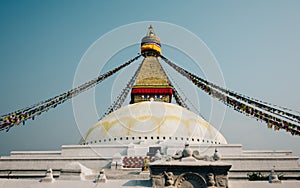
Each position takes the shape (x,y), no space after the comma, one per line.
(152,82)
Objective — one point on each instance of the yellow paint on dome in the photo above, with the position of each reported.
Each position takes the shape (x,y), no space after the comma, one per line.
(130,122)
(141,122)
(143,118)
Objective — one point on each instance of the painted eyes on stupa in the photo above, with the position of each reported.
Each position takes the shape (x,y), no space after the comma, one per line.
(145,96)
(148,96)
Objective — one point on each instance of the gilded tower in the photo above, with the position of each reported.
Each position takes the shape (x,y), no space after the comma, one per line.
(152,82)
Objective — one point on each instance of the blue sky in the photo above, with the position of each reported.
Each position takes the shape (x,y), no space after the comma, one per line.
(256,44)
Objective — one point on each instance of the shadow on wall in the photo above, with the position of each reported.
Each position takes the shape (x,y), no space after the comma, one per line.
(144,183)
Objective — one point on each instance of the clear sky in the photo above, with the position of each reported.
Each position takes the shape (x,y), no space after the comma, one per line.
(256,44)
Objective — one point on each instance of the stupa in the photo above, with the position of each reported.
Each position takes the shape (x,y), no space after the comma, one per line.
(150,143)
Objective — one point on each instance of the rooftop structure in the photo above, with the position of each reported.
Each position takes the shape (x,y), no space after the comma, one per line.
(152,82)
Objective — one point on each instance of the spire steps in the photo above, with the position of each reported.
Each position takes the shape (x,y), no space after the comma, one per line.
(152,82)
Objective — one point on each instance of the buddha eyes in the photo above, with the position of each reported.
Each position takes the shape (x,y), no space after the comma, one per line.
(155,96)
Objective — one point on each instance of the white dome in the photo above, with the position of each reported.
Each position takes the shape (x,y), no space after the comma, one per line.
(152,122)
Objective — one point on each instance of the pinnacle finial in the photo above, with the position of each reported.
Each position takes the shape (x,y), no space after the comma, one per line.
(150,31)
(150,45)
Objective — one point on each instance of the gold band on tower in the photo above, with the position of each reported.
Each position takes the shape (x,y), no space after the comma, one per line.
(150,45)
